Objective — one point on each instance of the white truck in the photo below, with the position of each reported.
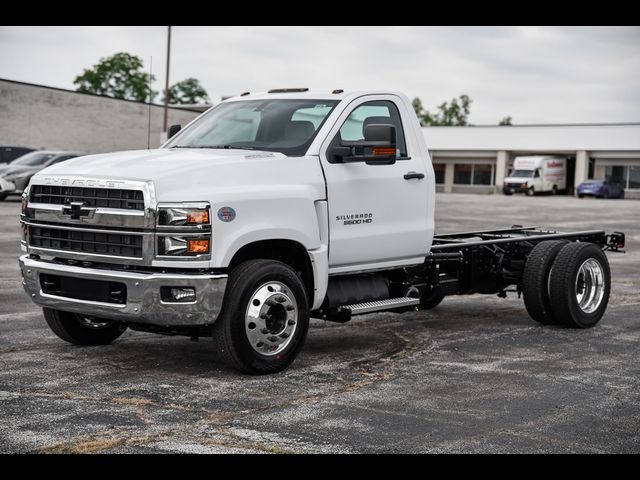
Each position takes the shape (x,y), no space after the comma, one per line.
(270,209)
(537,174)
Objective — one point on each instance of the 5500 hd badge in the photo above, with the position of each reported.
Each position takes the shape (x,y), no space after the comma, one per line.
(355,219)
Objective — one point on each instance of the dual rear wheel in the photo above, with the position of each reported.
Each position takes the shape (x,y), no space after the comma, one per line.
(566,283)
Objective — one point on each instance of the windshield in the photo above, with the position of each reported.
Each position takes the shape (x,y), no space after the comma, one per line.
(285,126)
(523,173)
(33,159)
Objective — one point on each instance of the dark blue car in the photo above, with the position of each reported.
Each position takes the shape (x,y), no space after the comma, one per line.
(600,189)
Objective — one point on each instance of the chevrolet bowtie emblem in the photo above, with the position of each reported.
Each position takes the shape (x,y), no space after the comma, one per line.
(76,210)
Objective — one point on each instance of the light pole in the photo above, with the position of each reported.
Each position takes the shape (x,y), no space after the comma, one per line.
(166,82)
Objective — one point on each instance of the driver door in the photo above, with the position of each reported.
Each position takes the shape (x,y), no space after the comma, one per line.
(378,214)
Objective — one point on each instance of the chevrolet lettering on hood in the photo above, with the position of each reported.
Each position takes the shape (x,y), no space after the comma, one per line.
(83,182)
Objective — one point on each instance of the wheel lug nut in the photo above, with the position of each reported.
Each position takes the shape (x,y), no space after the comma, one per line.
(290,308)
(264,331)
(284,335)
(281,299)
(270,303)
(291,322)
(259,344)
(273,339)
(263,316)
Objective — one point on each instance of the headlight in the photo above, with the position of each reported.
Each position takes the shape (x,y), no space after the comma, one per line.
(183,246)
(184,230)
(183,215)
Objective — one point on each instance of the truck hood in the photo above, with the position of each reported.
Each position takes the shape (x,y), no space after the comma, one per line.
(195,174)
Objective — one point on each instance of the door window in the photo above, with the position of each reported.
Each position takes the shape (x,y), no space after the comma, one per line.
(371,113)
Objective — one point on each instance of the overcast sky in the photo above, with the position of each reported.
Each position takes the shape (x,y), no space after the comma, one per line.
(534,74)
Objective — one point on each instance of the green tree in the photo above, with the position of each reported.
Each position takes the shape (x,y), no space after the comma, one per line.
(453,113)
(506,121)
(119,76)
(188,92)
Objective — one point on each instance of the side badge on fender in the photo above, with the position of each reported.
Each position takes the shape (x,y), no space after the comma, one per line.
(226,214)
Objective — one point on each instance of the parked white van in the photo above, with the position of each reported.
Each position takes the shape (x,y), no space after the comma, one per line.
(534,174)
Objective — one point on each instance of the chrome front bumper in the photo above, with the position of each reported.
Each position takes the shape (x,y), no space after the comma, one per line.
(143,303)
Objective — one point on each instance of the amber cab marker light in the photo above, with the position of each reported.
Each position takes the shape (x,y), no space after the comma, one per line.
(379,151)
(198,217)
(198,246)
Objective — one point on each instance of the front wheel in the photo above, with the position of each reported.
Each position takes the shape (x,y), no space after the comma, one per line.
(579,285)
(83,330)
(265,317)
(554,190)
(3,196)
(531,192)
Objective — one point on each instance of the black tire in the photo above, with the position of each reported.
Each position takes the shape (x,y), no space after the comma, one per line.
(3,196)
(430,300)
(535,280)
(605,196)
(565,277)
(554,190)
(531,192)
(507,192)
(580,196)
(622,195)
(71,328)
(229,332)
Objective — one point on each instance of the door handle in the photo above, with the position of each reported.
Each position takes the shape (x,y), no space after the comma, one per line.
(412,175)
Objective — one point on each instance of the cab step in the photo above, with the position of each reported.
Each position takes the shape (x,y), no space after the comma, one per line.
(379,306)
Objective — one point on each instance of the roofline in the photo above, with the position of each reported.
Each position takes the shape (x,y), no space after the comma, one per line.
(17,82)
(613,124)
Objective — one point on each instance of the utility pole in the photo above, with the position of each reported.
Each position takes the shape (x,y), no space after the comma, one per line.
(166,82)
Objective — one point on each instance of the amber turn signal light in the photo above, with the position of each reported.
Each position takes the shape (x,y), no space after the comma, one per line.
(197,246)
(380,151)
(198,217)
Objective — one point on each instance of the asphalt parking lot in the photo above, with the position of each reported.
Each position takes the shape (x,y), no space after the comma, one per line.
(474,375)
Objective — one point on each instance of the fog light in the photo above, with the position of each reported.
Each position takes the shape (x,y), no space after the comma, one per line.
(183,294)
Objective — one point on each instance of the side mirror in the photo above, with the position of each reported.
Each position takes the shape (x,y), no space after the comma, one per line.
(173,129)
(377,148)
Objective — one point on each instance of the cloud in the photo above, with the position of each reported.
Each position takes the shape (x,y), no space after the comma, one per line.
(534,74)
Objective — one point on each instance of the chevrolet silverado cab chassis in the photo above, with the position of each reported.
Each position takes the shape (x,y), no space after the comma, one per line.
(270,209)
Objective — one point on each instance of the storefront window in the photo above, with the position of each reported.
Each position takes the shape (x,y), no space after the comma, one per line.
(628,177)
(634,177)
(462,174)
(439,169)
(473,174)
(482,174)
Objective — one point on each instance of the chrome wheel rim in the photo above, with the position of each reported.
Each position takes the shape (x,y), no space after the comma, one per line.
(590,285)
(271,318)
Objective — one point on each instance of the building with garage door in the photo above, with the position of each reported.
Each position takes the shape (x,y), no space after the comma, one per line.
(477,159)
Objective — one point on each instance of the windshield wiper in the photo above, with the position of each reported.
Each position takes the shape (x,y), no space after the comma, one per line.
(219,147)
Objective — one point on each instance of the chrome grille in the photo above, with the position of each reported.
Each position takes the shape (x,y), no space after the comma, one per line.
(91,197)
(82,241)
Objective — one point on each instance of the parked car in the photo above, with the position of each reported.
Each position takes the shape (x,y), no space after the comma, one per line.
(9,153)
(600,189)
(15,178)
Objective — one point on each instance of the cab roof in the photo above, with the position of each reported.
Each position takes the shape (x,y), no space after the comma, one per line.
(306,93)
